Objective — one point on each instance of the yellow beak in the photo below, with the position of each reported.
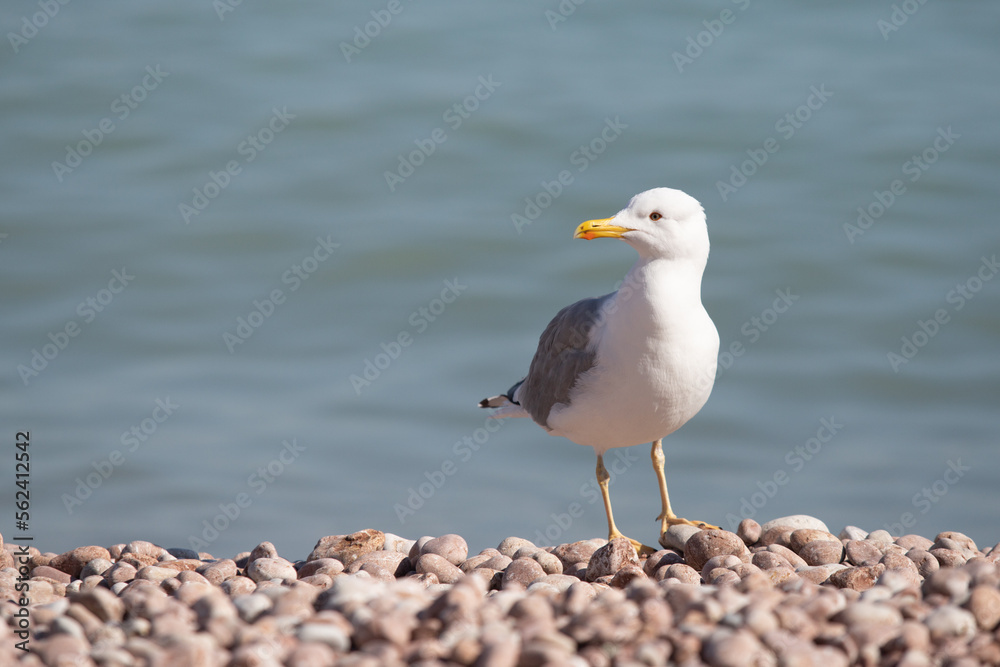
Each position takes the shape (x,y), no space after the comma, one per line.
(599,229)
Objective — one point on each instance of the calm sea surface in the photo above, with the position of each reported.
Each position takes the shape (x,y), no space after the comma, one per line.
(260,262)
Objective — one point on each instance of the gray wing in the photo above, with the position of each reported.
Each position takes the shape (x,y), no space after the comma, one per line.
(564,354)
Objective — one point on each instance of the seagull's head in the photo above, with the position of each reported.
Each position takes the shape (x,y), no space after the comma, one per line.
(660,224)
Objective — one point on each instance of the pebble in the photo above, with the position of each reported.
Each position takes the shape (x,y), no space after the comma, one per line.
(627,574)
(895,561)
(956,540)
(821,552)
(182,553)
(104,604)
(914,542)
(139,561)
(948,557)
(348,548)
(819,574)
(720,576)
(143,548)
(575,552)
(72,562)
(610,558)
(511,545)
(219,571)
(795,522)
(238,586)
(395,563)
(862,552)
(549,562)
(439,566)
(767,560)
(724,561)
(984,605)
(452,548)
(733,648)
(660,558)
(97,566)
(681,572)
(397,543)
(707,543)
(677,536)
(268,568)
(156,574)
(330,634)
(251,607)
(950,622)
(749,531)
(180,565)
(859,578)
(561,582)
(262,550)
(780,575)
(49,572)
(852,533)
(950,583)
(869,613)
(803,536)
(498,562)
(781,535)
(880,537)
(526,552)
(523,572)
(756,597)
(794,560)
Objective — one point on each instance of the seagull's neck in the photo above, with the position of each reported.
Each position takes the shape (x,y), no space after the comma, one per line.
(665,281)
(659,300)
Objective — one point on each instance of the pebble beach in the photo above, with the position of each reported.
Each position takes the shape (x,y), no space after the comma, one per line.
(788,592)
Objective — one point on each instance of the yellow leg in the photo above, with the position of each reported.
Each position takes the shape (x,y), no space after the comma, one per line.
(613,532)
(667,517)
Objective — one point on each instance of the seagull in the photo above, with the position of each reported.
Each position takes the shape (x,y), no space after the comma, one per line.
(633,366)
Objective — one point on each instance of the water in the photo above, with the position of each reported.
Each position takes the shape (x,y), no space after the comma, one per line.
(809,416)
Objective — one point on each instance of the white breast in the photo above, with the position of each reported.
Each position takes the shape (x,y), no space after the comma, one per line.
(656,362)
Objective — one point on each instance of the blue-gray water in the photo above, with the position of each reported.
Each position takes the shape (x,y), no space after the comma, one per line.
(285,122)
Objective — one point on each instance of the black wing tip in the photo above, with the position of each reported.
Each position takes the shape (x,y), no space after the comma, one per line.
(485,403)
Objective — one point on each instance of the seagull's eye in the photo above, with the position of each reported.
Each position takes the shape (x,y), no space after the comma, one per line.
(654,216)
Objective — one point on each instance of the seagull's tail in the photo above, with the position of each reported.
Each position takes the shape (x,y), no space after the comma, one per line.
(495,402)
(506,403)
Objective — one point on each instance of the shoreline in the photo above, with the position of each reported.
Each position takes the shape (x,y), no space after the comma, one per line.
(788,592)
